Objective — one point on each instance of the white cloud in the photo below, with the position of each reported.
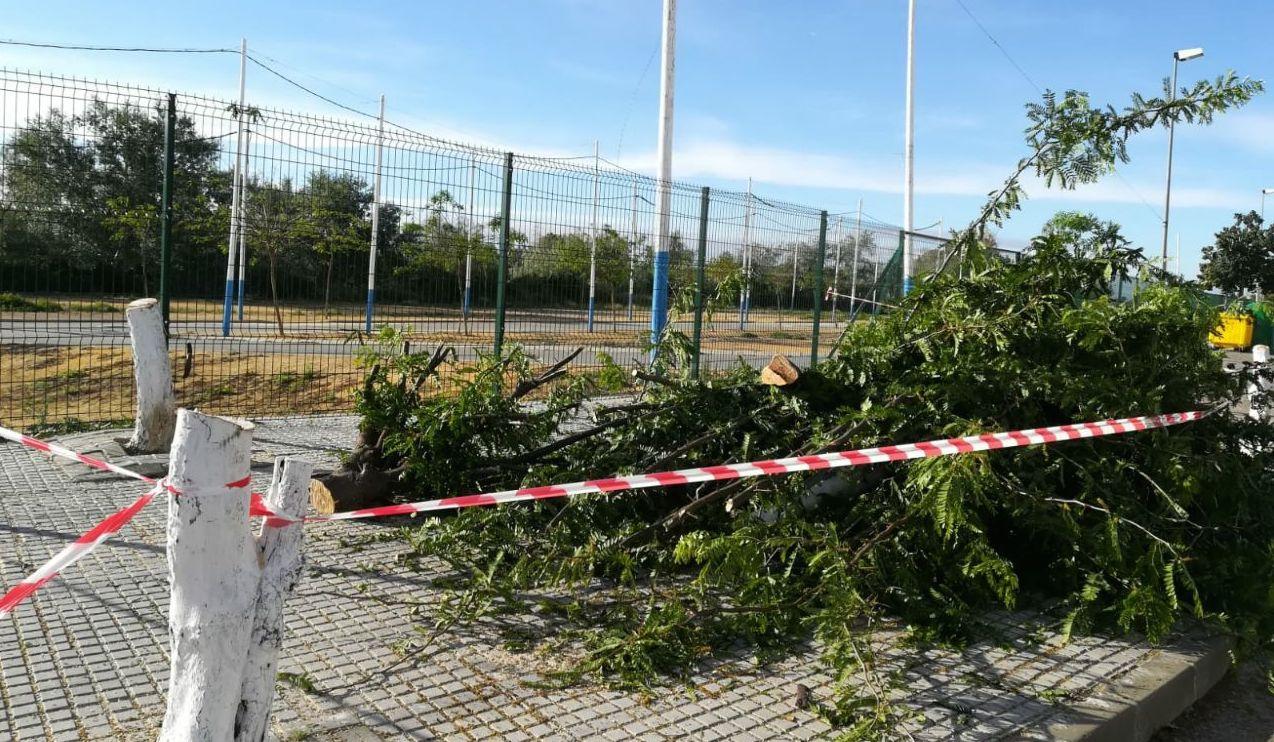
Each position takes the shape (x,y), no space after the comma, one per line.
(726,160)
(1251,130)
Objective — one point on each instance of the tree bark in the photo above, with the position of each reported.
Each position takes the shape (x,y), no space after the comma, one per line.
(274,290)
(279,551)
(213,574)
(153,375)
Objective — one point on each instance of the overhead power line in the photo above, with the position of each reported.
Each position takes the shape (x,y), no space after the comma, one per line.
(1040,90)
(88,48)
(999,46)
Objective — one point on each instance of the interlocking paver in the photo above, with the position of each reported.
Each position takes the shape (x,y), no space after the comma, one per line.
(87,658)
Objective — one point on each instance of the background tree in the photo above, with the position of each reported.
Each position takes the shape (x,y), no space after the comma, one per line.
(339,210)
(1241,260)
(86,189)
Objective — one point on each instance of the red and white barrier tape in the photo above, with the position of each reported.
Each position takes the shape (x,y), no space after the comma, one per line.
(80,547)
(769,467)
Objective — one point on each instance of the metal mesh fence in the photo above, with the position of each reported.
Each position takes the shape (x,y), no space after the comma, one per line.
(266,308)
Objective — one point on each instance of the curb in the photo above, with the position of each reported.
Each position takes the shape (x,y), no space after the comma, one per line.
(1137,704)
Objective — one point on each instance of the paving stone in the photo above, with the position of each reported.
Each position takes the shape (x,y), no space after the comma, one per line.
(87,658)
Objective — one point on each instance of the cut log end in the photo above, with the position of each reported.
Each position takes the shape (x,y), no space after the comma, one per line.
(351,489)
(321,498)
(780,372)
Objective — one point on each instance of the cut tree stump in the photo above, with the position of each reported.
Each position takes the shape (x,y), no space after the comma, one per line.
(780,372)
(278,549)
(152,373)
(213,571)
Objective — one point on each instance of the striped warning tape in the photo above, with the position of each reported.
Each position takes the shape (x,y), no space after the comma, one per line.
(769,467)
(111,525)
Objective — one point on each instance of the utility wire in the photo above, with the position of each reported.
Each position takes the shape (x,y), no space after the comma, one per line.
(152,50)
(632,101)
(1040,90)
(999,46)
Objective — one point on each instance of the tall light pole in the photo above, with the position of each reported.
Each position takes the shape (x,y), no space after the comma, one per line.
(663,194)
(236,190)
(1179,56)
(909,148)
(1264,192)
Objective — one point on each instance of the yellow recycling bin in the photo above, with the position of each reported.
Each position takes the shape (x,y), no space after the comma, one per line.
(1235,332)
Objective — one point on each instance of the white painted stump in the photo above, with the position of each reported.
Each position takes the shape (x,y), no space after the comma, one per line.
(214,576)
(1258,386)
(152,372)
(279,551)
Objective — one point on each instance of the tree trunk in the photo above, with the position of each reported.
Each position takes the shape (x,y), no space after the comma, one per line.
(279,551)
(213,573)
(153,375)
(327,289)
(274,290)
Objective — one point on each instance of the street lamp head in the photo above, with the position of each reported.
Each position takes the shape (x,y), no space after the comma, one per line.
(1267,191)
(1185,55)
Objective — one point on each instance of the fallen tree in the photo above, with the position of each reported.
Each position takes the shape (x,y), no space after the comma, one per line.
(1131,533)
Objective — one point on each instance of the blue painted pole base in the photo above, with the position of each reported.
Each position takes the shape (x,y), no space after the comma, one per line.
(591,304)
(371,300)
(226,311)
(659,298)
(906,286)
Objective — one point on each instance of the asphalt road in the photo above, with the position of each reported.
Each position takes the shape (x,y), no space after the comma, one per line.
(257,337)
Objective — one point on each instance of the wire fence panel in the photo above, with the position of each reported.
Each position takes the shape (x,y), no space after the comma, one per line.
(297,238)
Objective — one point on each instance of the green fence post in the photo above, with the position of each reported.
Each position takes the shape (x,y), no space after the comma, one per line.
(502,273)
(166,210)
(699,281)
(818,286)
(902,265)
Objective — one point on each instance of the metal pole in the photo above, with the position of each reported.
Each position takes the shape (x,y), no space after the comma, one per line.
(659,299)
(745,293)
(371,255)
(796,252)
(166,211)
(853,278)
(465,301)
(1167,193)
(818,286)
(502,269)
(632,252)
(592,246)
(699,281)
(909,156)
(236,185)
(243,205)
(875,276)
(840,239)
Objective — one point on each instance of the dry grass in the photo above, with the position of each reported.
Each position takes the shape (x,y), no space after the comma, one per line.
(96,383)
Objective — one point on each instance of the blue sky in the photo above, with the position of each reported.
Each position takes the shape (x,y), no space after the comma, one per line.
(806,98)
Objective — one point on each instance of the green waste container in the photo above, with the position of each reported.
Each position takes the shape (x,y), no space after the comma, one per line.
(1263,332)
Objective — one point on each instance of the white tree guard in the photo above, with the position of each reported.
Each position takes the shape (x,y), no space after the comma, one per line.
(213,573)
(152,372)
(279,551)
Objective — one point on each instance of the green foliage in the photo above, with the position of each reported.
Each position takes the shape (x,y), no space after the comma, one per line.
(1131,533)
(1241,260)
(16,303)
(1125,534)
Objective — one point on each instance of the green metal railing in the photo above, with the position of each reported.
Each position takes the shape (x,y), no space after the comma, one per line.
(109,193)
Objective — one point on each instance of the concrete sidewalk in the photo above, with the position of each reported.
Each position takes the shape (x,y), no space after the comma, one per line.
(87,658)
